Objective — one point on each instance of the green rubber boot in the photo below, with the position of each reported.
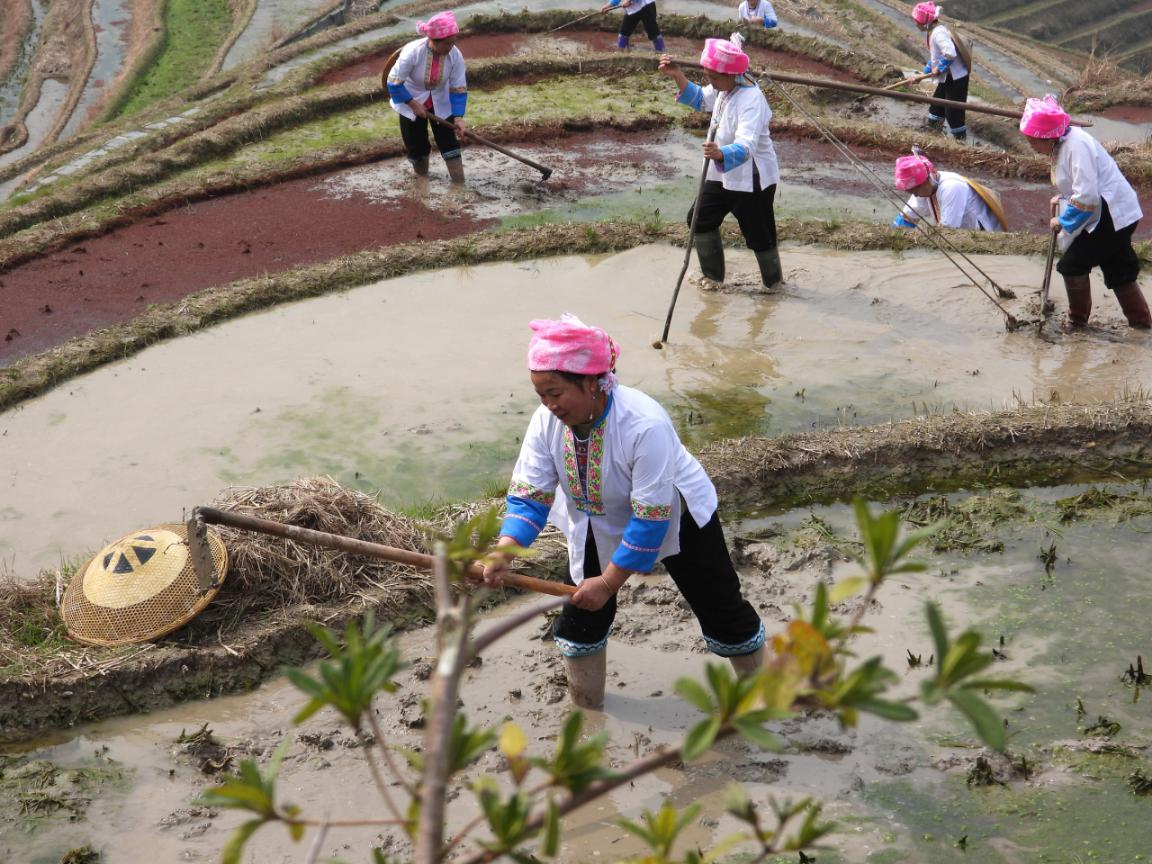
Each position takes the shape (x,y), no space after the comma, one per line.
(710,252)
(771,273)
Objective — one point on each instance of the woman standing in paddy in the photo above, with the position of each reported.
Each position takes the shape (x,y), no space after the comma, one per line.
(603,463)
(429,77)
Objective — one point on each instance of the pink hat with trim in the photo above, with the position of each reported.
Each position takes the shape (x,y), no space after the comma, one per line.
(1044,118)
(724,57)
(925,12)
(570,345)
(439,26)
(911,171)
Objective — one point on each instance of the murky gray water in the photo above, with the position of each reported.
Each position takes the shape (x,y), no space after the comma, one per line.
(112,19)
(415,387)
(40,119)
(272,21)
(12,87)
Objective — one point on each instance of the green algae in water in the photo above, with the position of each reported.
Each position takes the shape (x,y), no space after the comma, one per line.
(1018,824)
(35,792)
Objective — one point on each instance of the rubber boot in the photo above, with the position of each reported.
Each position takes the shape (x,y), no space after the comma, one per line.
(1079,290)
(586,676)
(771,273)
(420,166)
(1134,305)
(455,170)
(658,44)
(959,137)
(710,251)
(622,42)
(933,123)
(748,664)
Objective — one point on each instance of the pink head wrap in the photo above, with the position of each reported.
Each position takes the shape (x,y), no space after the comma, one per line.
(570,345)
(439,26)
(911,171)
(925,12)
(1044,118)
(724,57)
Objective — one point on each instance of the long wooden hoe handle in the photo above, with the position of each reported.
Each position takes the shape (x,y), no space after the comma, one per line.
(213,516)
(544,170)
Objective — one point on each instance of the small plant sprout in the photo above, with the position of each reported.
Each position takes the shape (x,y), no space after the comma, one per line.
(519,809)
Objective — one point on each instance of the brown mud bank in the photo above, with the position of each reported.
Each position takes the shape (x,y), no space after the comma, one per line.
(240,644)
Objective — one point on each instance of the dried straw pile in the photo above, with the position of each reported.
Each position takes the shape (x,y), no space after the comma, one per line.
(269,574)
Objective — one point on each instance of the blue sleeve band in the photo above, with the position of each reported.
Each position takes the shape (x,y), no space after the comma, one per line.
(901,222)
(769,22)
(1073,218)
(927,68)
(692,96)
(641,544)
(942,64)
(734,154)
(399,93)
(458,101)
(616,3)
(524,520)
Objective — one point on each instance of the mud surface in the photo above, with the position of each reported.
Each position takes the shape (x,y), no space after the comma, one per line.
(112,278)
(900,793)
(341,385)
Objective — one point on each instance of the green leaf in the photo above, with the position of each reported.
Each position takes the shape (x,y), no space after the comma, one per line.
(550,845)
(757,734)
(897,712)
(844,589)
(700,738)
(693,691)
(988,726)
(939,634)
(234,849)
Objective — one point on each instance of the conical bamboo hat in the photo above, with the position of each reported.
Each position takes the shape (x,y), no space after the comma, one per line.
(139,588)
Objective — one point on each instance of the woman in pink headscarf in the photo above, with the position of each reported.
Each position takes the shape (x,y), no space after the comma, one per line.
(946,58)
(742,169)
(429,78)
(603,463)
(1097,213)
(950,200)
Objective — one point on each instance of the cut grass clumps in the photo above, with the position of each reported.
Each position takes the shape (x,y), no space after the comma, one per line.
(192,31)
(31,631)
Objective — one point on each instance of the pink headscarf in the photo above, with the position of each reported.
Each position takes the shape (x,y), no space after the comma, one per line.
(911,171)
(439,26)
(570,345)
(724,57)
(925,12)
(1044,118)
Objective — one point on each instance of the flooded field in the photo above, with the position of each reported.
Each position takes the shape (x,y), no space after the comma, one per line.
(899,793)
(350,385)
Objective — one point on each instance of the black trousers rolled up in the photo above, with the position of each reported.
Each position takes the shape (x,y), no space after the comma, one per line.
(414,133)
(754,212)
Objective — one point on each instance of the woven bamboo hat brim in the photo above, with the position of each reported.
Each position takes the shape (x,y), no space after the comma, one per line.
(139,588)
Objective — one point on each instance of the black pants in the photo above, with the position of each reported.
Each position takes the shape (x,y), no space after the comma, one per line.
(955,89)
(415,136)
(1106,248)
(646,16)
(753,211)
(703,572)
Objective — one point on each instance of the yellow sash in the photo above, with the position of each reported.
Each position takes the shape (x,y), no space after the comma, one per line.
(991,198)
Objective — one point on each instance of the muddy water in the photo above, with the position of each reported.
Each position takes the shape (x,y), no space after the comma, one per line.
(40,119)
(272,21)
(415,387)
(12,87)
(112,20)
(899,792)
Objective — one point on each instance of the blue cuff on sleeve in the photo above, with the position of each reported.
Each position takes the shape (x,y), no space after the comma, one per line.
(901,222)
(692,96)
(524,520)
(927,68)
(734,154)
(458,101)
(399,93)
(641,544)
(769,23)
(616,3)
(1073,218)
(942,64)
